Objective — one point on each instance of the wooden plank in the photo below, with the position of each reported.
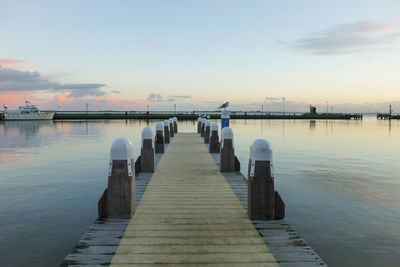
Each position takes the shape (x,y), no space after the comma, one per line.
(181,227)
(245,264)
(175,249)
(192,241)
(184,258)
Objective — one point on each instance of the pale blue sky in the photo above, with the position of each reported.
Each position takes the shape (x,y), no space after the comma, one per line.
(344,52)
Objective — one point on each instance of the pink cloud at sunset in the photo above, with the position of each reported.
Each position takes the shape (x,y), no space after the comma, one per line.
(12,63)
(12,99)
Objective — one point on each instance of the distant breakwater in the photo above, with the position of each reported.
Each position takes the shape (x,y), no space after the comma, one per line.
(115,115)
(194,116)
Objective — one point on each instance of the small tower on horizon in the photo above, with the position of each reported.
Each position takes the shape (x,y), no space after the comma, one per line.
(313,110)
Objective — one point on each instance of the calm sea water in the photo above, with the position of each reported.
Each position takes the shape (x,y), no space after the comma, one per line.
(340,181)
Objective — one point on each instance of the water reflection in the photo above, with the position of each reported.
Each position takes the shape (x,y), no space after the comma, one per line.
(312,125)
(340,183)
(339,180)
(24,128)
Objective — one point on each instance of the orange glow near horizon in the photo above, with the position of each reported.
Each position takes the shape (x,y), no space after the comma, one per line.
(12,99)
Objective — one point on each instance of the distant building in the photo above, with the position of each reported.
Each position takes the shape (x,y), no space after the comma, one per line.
(313,110)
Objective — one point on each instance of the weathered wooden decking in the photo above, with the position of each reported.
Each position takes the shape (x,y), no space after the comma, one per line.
(189,215)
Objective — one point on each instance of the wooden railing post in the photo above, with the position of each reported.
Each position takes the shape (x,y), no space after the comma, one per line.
(175,124)
(166,131)
(159,138)
(203,126)
(171,128)
(207,132)
(214,139)
(263,202)
(118,200)
(147,150)
(228,160)
(199,119)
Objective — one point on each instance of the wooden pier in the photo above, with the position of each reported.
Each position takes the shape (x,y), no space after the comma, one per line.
(387,116)
(237,115)
(189,213)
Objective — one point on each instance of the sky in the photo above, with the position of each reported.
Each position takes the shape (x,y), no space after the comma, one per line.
(125,55)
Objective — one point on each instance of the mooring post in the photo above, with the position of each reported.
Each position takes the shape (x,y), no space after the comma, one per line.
(263,202)
(214,139)
(203,126)
(166,131)
(225,116)
(118,200)
(207,132)
(171,127)
(228,160)
(147,150)
(159,138)
(175,124)
(199,124)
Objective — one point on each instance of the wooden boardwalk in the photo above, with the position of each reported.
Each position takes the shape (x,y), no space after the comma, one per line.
(189,215)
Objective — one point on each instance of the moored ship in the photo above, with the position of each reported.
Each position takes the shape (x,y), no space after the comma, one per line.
(27,112)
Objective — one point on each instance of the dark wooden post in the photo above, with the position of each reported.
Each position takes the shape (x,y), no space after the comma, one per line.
(171,128)
(207,132)
(147,150)
(203,126)
(214,139)
(199,124)
(175,124)
(118,200)
(227,156)
(166,131)
(159,140)
(261,193)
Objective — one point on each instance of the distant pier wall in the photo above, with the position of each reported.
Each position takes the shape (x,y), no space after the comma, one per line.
(121,115)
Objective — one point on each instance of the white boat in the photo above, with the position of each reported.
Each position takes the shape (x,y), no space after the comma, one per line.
(27,112)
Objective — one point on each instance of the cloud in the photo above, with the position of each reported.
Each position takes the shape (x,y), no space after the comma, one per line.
(115,92)
(154,97)
(224,3)
(175,98)
(11,63)
(273,98)
(15,80)
(181,96)
(349,38)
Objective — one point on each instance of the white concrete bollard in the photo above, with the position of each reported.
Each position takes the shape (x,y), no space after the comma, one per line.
(166,131)
(171,127)
(118,200)
(147,150)
(203,126)
(175,124)
(199,124)
(159,138)
(214,139)
(263,202)
(228,160)
(207,132)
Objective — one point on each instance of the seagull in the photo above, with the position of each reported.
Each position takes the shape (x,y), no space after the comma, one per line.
(224,105)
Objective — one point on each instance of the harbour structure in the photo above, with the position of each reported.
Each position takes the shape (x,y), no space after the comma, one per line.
(238,115)
(188,212)
(388,116)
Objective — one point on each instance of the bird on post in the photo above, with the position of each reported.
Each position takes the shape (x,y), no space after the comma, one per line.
(224,105)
